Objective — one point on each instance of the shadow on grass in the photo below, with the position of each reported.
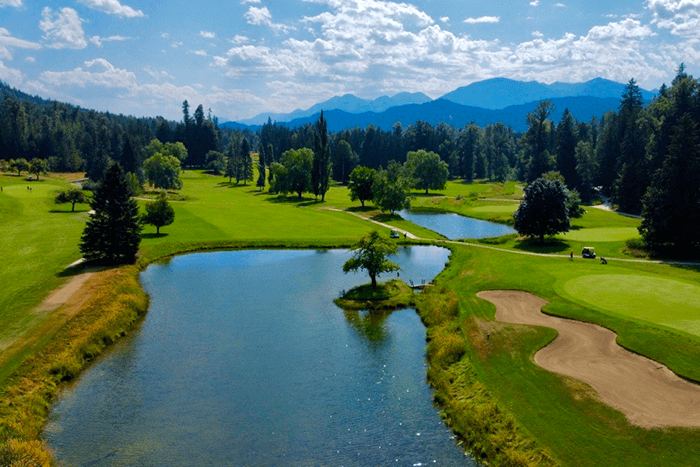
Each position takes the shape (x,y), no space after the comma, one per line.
(295,200)
(549,245)
(154,235)
(427,195)
(60,211)
(85,267)
(362,209)
(384,217)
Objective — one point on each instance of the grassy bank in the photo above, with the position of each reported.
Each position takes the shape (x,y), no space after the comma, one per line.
(563,415)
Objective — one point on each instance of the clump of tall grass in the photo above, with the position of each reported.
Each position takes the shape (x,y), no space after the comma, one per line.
(26,396)
(486,430)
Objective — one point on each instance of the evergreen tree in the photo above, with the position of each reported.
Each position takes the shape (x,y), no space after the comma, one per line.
(321,175)
(261,171)
(246,172)
(536,142)
(231,163)
(566,149)
(672,202)
(112,233)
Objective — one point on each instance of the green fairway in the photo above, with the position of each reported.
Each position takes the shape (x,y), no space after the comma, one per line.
(655,299)
(602,234)
(508,208)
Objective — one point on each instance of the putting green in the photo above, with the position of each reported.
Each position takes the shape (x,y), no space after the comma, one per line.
(662,301)
(604,234)
(499,208)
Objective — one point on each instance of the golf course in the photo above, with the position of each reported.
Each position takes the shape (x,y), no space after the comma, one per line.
(495,391)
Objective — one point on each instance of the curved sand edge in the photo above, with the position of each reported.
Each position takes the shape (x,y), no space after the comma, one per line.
(648,393)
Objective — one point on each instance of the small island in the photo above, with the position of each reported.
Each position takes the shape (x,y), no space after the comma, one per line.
(392,295)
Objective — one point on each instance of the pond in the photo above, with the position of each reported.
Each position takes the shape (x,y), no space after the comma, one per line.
(243,359)
(453,226)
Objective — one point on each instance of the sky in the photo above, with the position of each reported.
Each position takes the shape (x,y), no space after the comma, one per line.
(240,58)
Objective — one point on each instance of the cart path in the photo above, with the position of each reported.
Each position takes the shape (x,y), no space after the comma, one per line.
(649,394)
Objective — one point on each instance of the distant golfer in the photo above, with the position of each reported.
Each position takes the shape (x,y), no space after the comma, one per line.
(572,255)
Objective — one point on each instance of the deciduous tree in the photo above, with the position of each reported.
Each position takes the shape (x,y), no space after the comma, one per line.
(427,170)
(371,255)
(360,184)
(73,196)
(543,210)
(159,213)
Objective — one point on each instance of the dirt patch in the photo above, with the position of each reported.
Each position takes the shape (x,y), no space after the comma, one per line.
(60,296)
(648,393)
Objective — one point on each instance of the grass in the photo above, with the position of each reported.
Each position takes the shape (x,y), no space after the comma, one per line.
(504,408)
(392,295)
(653,299)
(563,414)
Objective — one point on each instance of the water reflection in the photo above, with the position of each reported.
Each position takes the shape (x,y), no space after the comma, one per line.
(371,325)
(453,226)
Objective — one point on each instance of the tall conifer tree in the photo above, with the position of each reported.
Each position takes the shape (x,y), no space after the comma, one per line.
(112,233)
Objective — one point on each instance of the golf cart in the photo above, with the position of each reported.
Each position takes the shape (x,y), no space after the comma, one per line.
(588,252)
(394,234)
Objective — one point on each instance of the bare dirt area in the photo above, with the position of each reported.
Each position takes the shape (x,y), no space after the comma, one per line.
(648,393)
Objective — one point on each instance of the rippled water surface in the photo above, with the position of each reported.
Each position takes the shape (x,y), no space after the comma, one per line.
(243,359)
(454,226)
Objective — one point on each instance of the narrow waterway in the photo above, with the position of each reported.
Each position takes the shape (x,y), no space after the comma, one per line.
(453,226)
(243,359)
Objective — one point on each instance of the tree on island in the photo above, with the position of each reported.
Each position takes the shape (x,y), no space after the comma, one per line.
(112,233)
(159,213)
(370,254)
(73,196)
(543,210)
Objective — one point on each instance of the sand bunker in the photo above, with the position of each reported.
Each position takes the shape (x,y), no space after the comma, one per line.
(648,393)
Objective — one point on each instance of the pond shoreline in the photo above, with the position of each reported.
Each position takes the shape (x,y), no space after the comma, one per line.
(117,306)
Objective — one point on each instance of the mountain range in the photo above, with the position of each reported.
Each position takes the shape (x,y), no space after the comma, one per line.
(484,102)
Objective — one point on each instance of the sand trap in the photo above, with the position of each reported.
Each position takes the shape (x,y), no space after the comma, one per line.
(648,393)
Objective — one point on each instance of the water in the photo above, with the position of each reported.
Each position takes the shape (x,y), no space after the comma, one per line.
(453,226)
(243,359)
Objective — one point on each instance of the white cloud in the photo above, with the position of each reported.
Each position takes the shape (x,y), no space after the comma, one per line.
(98,41)
(200,53)
(97,72)
(113,7)
(537,34)
(158,75)
(560,5)
(11,76)
(680,17)
(535,3)
(240,39)
(30,60)
(207,34)
(445,19)
(262,17)
(483,19)
(177,44)
(63,30)
(250,1)
(14,3)
(8,42)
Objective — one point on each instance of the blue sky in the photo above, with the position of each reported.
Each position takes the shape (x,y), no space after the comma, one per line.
(243,57)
